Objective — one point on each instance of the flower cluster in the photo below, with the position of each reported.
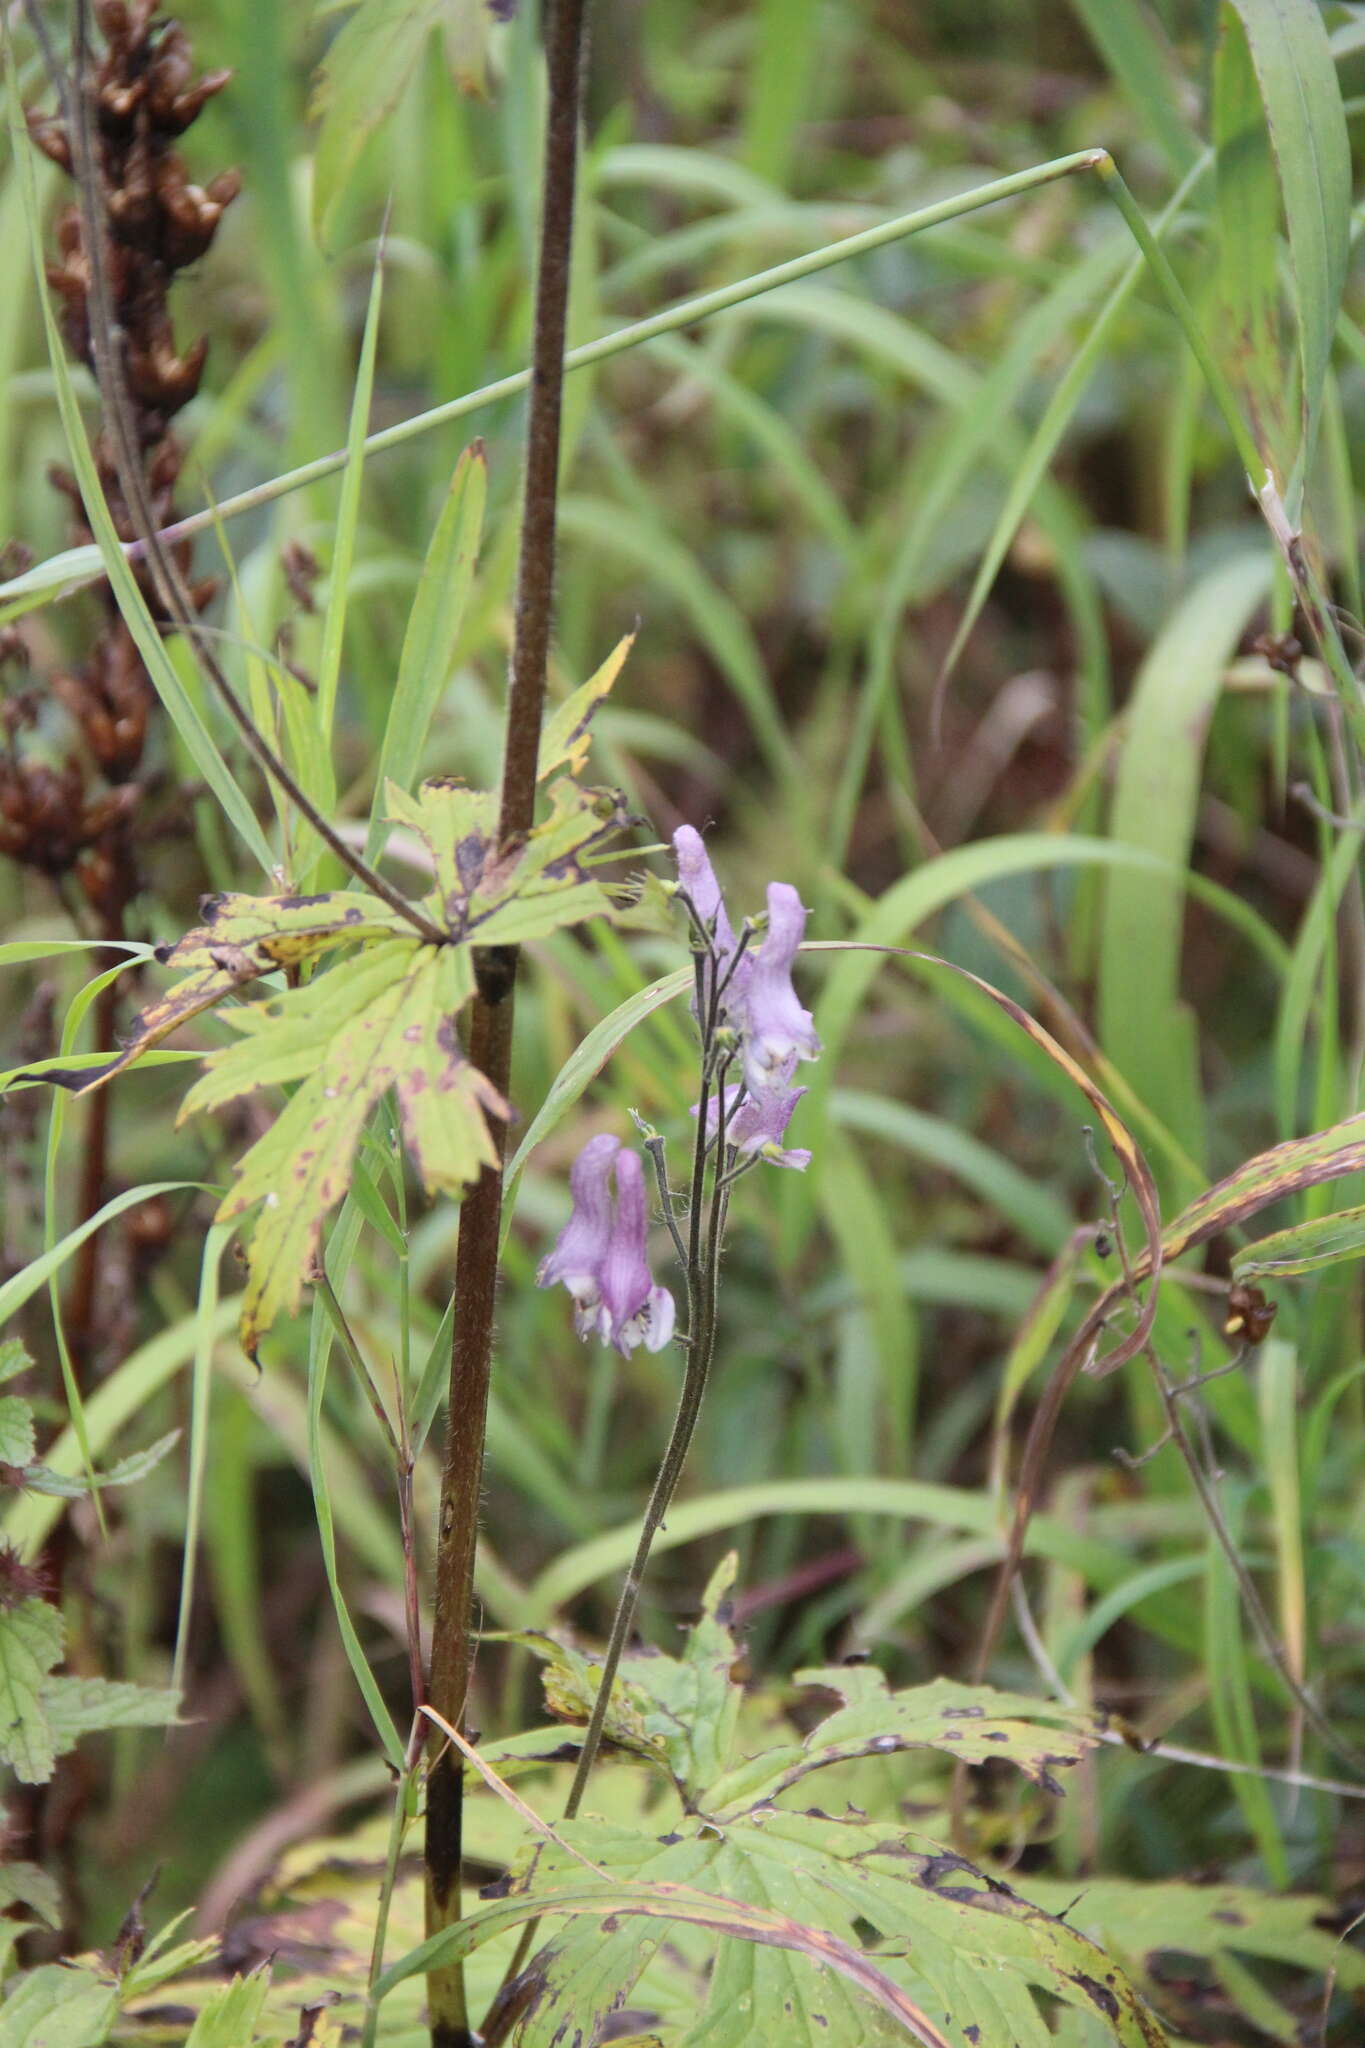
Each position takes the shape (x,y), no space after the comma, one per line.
(601,1254)
(757,1001)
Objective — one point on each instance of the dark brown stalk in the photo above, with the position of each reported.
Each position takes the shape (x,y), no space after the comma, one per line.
(111,374)
(490,1038)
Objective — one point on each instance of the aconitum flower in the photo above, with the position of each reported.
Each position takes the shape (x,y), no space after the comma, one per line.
(634,1310)
(758,1123)
(775,1032)
(581,1247)
(601,1254)
(697,878)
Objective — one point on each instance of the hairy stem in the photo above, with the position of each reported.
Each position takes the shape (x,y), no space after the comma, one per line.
(490,1044)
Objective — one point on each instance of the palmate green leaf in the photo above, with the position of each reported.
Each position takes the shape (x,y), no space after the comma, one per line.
(681,1712)
(971,1956)
(677,1712)
(382,1020)
(31,1636)
(240,939)
(491,897)
(82,1706)
(973,1724)
(57,2006)
(1144,1923)
(42,1716)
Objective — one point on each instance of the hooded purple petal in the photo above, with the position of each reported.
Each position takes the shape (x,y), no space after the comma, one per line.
(698,878)
(634,1311)
(776,1031)
(581,1247)
(758,1123)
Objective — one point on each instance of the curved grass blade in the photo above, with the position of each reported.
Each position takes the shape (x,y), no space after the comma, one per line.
(1297,75)
(432,631)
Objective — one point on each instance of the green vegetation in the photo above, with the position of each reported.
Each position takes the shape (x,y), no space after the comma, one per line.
(957,518)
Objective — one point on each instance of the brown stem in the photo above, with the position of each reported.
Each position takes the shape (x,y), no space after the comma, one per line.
(490,1039)
(172,592)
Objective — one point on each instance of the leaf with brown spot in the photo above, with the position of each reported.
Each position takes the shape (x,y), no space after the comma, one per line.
(495,897)
(960,1948)
(969,1723)
(382,1020)
(241,938)
(567,736)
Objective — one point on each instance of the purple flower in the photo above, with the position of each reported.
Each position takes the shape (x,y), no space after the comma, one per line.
(775,1031)
(582,1244)
(601,1257)
(697,878)
(634,1310)
(758,1123)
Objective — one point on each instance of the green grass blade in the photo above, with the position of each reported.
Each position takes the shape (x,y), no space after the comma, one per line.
(1143,1028)
(75,566)
(343,537)
(1247,214)
(1298,80)
(433,630)
(206,1332)
(22,1286)
(1056,418)
(1145,69)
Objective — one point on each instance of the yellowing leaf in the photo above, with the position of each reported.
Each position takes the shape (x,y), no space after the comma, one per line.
(492,895)
(383,1020)
(386,1018)
(566,738)
(241,938)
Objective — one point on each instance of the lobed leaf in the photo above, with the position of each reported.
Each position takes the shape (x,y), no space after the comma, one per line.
(491,895)
(31,1636)
(389,1023)
(972,1724)
(1143,1923)
(969,1957)
(240,939)
(83,1706)
(566,737)
(16,1430)
(57,2006)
